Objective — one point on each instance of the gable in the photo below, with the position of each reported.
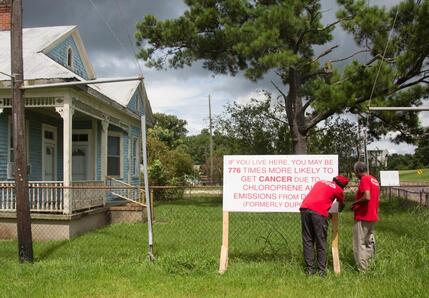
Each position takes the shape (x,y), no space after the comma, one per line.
(135,103)
(60,55)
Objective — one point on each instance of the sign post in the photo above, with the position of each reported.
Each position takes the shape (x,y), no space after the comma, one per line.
(225,243)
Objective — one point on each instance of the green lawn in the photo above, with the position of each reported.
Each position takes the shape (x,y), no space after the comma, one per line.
(265,258)
(418,175)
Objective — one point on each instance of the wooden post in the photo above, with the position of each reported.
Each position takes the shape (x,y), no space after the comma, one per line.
(390,194)
(151,204)
(223,264)
(211,140)
(25,242)
(335,240)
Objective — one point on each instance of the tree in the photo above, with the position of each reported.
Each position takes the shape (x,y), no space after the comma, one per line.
(273,36)
(422,151)
(338,136)
(169,161)
(198,146)
(400,162)
(169,129)
(258,127)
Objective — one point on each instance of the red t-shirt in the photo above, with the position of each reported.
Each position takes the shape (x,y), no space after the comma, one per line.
(367,211)
(321,196)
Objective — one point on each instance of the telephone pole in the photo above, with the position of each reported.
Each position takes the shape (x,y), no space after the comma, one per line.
(25,242)
(211,140)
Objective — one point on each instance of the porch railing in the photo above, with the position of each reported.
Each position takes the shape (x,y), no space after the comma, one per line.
(87,194)
(46,196)
(123,190)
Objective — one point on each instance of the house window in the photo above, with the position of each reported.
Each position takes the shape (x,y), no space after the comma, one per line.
(70,57)
(135,158)
(114,156)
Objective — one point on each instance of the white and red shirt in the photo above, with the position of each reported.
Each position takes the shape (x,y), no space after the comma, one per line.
(367,211)
(321,197)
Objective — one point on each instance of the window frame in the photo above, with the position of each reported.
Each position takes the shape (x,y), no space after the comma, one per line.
(135,157)
(54,130)
(121,151)
(69,57)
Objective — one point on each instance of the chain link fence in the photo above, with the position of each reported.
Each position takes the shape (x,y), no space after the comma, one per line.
(187,223)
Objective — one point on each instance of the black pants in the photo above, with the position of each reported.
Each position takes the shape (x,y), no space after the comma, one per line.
(314,231)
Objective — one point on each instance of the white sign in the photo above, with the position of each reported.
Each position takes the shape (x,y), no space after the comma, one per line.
(389,178)
(272,183)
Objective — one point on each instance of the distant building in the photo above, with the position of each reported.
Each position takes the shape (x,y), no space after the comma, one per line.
(378,158)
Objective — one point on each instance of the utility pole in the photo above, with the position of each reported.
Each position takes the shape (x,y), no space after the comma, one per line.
(211,141)
(25,242)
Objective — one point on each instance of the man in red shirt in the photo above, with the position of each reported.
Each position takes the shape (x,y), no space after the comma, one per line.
(314,219)
(365,208)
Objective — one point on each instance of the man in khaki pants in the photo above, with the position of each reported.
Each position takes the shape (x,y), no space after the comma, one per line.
(365,209)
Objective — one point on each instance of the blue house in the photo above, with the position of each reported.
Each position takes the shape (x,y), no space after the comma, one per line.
(78,136)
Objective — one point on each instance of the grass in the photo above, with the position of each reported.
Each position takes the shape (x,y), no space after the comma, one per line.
(418,175)
(265,258)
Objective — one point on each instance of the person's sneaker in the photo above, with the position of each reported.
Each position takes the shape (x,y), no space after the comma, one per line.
(310,272)
(322,273)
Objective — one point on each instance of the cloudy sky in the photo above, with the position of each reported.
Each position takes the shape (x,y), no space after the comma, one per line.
(107,28)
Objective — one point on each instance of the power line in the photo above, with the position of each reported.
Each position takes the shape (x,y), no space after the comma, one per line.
(111,30)
(121,14)
(384,54)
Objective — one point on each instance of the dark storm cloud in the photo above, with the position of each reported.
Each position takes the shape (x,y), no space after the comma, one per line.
(122,16)
(110,59)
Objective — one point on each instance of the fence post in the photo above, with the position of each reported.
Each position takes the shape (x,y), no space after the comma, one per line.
(390,194)
(151,203)
(427,199)
(421,197)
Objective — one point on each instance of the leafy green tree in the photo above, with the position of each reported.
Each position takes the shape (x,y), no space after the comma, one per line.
(169,161)
(422,151)
(338,136)
(400,162)
(261,36)
(198,146)
(258,127)
(169,129)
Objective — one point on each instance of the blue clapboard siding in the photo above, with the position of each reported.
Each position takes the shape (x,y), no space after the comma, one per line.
(132,105)
(3,145)
(59,54)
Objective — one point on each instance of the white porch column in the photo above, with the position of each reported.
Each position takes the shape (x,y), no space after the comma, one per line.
(66,112)
(130,149)
(104,135)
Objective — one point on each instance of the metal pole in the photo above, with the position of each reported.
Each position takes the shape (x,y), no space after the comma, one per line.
(416,109)
(77,83)
(25,242)
(365,135)
(211,141)
(146,188)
